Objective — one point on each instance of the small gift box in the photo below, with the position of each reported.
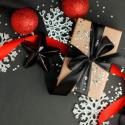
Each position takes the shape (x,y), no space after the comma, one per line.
(90,58)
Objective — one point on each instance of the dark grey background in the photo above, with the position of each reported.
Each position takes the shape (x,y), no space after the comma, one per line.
(24,99)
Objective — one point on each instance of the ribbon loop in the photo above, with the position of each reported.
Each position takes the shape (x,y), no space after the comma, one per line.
(105,46)
(95,37)
(79,61)
(73,52)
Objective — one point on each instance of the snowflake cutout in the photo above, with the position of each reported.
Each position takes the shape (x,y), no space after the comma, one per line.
(5,63)
(3,38)
(57,26)
(87,110)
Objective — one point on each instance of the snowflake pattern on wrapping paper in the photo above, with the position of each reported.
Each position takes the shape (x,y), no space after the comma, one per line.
(57,26)
(87,110)
(5,63)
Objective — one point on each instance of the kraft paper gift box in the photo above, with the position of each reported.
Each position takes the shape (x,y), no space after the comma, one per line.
(81,40)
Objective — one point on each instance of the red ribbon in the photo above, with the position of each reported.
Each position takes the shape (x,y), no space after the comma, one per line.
(115,70)
(115,107)
(9,46)
(111,110)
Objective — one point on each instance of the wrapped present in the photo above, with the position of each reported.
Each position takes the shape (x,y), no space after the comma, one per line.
(93,48)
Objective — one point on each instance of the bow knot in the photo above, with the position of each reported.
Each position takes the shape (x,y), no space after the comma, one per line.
(104,46)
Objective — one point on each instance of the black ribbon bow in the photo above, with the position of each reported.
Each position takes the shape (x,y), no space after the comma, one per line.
(40,53)
(80,64)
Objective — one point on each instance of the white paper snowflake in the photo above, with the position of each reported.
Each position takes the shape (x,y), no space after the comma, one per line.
(5,63)
(3,38)
(87,110)
(57,26)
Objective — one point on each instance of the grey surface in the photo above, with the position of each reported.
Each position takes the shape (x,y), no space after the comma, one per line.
(24,99)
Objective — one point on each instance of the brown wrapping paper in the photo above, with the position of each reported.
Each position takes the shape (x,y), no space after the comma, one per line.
(81,39)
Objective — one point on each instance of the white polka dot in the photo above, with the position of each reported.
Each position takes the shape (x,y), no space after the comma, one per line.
(112,16)
(6,24)
(98,16)
(103,7)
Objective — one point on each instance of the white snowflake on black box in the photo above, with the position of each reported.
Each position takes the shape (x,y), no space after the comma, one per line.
(5,63)
(87,110)
(57,26)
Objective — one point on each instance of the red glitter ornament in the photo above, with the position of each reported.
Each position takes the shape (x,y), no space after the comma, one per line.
(24,20)
(75,8)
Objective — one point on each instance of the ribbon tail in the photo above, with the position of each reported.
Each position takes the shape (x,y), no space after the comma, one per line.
(66,85)
(76,77)
(111,110)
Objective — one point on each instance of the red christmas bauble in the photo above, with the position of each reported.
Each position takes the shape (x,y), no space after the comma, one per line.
(24,20)
(75,8)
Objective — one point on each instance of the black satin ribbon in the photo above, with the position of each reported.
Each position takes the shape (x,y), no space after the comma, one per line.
(81,64)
